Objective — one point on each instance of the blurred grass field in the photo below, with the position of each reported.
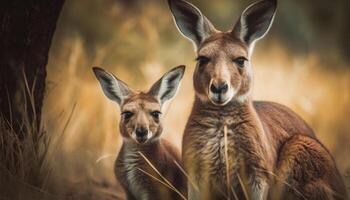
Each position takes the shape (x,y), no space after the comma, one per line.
(138,42)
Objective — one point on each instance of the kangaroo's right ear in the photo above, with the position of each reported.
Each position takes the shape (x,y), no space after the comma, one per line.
(190,21)
(112,87)
(255,21)
(167,86)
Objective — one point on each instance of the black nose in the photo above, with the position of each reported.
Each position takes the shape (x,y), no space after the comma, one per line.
(141,134)
(219,88)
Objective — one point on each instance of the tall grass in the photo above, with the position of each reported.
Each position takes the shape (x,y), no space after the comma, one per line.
(23,151)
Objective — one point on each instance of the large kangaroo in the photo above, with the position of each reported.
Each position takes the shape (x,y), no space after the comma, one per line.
(234,147)
(141,127)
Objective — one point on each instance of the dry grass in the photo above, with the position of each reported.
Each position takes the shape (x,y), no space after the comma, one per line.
(23,152)
(347,176)
(164,181)
(227,164)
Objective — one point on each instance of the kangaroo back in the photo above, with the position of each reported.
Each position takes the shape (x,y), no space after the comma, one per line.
(306,170)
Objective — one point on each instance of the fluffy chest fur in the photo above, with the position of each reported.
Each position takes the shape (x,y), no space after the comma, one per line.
(127,171)
(205,151)
(139,185)
(246,155)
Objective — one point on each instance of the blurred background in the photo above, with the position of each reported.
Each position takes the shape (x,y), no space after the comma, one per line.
(304,63)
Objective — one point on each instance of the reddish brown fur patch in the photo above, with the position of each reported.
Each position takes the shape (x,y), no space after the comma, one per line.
(140,96)
(306,170)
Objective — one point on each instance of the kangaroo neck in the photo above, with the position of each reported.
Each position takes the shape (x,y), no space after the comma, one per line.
(233,109)
(235,115)
(150,147)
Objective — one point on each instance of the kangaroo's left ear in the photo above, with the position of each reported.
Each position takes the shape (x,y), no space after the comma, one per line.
(167,86)
(112,87)
(190,21)
(255,21)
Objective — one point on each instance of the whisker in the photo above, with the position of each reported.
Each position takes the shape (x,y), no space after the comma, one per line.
(104,157)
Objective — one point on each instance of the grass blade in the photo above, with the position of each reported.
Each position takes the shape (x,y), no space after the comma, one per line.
(227,162)
(164,179)
(187,176)
(243,187)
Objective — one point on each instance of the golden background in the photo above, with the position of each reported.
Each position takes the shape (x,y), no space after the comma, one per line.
(303,62)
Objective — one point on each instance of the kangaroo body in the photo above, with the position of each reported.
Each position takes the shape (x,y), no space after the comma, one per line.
(137,184)
(259,142)
(234,148)
(147,166)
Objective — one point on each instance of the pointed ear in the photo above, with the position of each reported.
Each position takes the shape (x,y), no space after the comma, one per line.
(190,21)
(166,87)
(112,87)
(255,21)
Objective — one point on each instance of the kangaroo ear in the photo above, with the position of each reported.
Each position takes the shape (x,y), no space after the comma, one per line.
(167,86)
(112,87)
(190,21)
(255,21)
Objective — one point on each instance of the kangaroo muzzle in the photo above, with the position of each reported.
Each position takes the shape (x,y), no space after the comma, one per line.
(141,135)
(220,92)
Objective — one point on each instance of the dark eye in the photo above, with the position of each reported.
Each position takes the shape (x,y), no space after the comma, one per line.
(127,114)
(156,114)
(240,61)
(202,60)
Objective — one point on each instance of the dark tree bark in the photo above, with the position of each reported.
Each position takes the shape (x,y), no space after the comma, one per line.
(26,31)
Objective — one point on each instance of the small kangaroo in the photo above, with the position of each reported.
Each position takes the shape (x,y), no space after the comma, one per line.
(141,128)
(236,148)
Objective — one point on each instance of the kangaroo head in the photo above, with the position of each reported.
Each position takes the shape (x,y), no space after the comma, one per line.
(223,72)
(141,111)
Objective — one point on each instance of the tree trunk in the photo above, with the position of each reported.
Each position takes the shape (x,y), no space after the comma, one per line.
(26,31)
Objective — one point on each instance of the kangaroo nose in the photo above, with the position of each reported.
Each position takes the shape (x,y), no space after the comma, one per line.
(141,134)
(219,88)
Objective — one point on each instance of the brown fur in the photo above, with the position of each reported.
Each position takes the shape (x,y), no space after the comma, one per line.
(162,155)
(265,140)
(309,170)
(141,105)
(160,152)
